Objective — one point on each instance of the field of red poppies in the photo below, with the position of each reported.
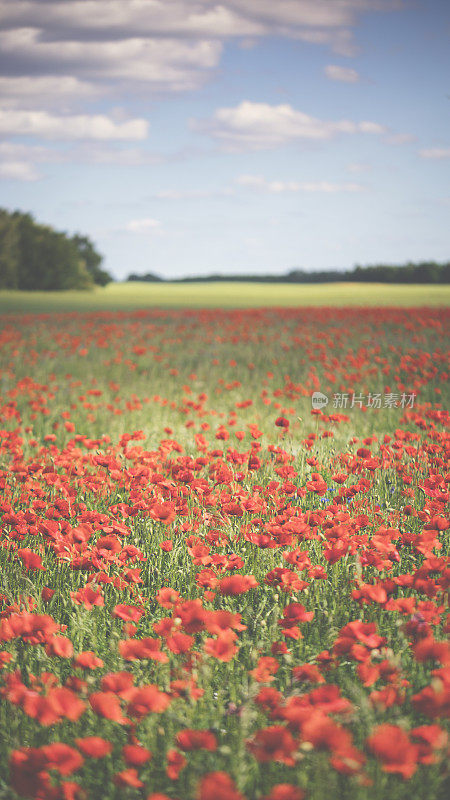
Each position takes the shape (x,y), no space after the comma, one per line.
(209,589)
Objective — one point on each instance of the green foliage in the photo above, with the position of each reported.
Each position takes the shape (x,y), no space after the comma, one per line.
(149,277)
(35,257)
(422,272)
(9,250)
(92,260)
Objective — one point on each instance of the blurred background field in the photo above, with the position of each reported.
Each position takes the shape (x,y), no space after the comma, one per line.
(124,296)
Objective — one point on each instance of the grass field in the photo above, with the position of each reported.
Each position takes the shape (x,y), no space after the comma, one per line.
(123,296)
(208,591)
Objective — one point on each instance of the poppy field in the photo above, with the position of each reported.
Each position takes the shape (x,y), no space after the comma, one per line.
(209,589)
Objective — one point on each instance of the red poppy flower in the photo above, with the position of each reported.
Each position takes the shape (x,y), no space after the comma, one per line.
(147,699)
(237,584)
(273,744)
(127,613)
(87,660)
(192,614)
(107,704)
(94,746)
(163,512)
(133,649)
(157,796)
(430,739)
(307,673)
(62,757)
(29,559)
(28,771)
(167,597)
(59,646)
(190,739)
(392,746)
(285,791)
(119,683)
(135,754)
(265,670)
(218,786)
(223,647)
(175,763)
(128,777)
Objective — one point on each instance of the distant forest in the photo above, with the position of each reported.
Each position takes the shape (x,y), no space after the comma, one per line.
(36,257)
(422,272)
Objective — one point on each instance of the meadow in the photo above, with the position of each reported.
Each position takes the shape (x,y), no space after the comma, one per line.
(209,589)
(135,295)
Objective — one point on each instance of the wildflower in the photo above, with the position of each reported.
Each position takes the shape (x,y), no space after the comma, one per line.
(94,746)
(392,746)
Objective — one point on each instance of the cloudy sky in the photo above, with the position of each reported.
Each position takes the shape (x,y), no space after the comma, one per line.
(192,136)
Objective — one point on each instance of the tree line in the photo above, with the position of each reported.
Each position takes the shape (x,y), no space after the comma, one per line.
(421,272)
(36,257)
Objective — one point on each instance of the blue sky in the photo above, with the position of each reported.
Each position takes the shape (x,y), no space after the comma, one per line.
(191,136)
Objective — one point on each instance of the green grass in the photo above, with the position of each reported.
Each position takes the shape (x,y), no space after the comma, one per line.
(125,296)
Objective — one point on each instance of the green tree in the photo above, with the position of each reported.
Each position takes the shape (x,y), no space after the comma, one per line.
(92,259)
(36,257)
(9,251)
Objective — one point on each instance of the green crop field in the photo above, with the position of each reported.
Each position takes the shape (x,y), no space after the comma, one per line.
(123,296)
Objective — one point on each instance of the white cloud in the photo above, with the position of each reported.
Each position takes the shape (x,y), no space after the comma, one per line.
(76,48)
(258,126)
(18,161)
(436,153)
(260,184)
(344,74)
(358,167)
(145,225)
(371,127)
(193,194)
(400,138)
(84,152)
(82,126)
(325,21)
(95,153)
(49,91)
(166,64)
(15,151)
(331,188)
(61,56)
(18,171)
